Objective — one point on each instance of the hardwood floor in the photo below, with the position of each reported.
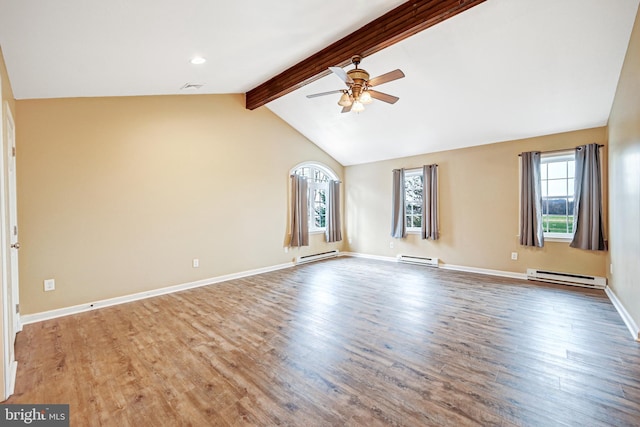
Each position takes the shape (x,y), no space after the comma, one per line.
(342,342)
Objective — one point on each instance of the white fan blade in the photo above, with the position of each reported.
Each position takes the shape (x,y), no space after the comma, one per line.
(342,75)
(331,92)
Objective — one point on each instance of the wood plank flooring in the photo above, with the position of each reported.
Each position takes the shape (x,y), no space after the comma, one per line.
(345,342)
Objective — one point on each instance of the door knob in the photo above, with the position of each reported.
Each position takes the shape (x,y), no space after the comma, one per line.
(16,245)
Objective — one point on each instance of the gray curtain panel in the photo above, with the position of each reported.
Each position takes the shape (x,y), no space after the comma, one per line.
(334,226)
(398,225)
(299,211)
(531,202)
(430,202)
(587,216)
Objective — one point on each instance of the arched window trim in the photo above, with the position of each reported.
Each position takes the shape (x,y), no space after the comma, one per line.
(317,195)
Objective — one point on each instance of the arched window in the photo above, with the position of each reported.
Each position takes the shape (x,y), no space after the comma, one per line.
(318,177)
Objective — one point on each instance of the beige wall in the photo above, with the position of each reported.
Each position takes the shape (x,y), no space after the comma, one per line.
(118,195)
(624,163)
(478,209)
(6,99)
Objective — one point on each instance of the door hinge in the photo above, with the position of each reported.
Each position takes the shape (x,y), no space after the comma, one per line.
(13,151)
(15,230)
(17,308)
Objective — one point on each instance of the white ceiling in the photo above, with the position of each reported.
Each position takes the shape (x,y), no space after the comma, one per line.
(78,48)
(503,70)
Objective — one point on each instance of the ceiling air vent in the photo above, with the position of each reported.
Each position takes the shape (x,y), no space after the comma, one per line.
(192,86)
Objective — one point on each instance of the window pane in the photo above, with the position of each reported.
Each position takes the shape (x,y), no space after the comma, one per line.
(545,206)
(413,188)
(319,176)
(557,170)
(413,199)
(571,186)
(557,187)
(556,206)
(571,205)
(557,190)
(556,224)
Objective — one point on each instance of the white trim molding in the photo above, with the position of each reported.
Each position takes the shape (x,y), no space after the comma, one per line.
(626,317)
(485,271)
(80,308)
(12,378)
(367,256)
(477,270)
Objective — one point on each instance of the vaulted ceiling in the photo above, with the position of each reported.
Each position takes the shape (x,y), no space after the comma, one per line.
(502,70)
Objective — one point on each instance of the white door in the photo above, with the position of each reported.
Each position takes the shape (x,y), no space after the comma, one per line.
(13,224)
(9,251)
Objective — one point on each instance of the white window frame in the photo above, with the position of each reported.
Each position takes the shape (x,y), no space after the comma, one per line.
(408,173)
(555,157)
(313,187)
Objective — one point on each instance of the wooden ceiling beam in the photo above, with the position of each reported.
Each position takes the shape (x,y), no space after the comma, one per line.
(394,26)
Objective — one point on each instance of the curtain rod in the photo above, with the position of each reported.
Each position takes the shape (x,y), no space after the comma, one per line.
(415,169)
(561,150)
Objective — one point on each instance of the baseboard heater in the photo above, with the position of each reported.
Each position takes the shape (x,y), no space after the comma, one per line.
(431,262)
(593,282)
(316,257)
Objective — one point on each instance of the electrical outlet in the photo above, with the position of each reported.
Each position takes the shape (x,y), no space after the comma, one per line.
(391,245)
(196,263)
(49,285)
(286,249)
(514,255)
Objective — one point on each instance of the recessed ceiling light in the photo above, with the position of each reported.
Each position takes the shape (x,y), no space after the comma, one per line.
(198,60)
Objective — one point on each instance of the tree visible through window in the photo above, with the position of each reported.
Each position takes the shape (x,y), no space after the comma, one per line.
(413,183)
(318,177)
(557,176)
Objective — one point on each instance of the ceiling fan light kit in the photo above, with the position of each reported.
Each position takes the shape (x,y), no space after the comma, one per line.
(357,107)
(359,92)
(345,99)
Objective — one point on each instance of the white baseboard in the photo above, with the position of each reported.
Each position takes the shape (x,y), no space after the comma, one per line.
(66,311)
(486,271)
(367,256)
(626,317)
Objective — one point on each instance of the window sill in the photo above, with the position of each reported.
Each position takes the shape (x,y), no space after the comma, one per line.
(318,232)
(558,239)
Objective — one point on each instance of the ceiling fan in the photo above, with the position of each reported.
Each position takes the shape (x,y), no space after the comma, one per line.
(359,92)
